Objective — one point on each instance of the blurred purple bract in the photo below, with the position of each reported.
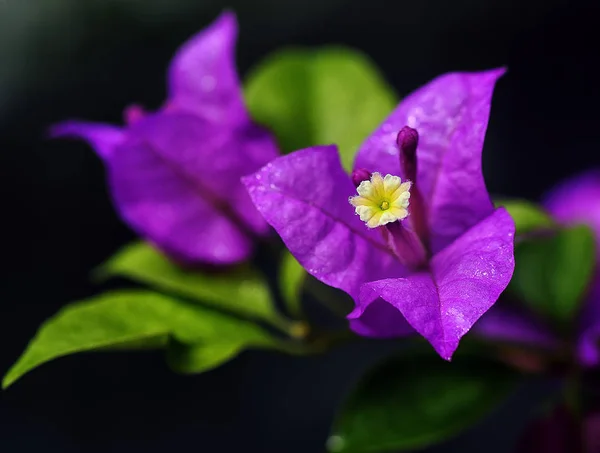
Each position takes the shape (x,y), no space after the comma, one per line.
(175,174)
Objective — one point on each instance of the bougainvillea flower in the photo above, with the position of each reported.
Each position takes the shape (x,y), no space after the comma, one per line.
(574,201)
(175,174)
(435,270)
(577,201)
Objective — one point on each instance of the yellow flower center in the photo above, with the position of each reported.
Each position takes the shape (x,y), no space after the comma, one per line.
(381,200)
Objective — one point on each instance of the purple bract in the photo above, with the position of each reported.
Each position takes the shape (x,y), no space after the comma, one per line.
(175,174)
(434,254)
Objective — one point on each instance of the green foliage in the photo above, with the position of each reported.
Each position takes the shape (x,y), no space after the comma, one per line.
(291,279)
(416,401)
(241,290)
(319,97)
(197,358)
(527,215)
(552,272)
(138,318)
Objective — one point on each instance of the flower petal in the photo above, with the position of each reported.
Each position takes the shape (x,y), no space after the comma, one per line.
(170,209)
(577,200)
(304,196)
(414,297)
(451,115)
(256,147)
(102,137)
(465,280)
(203,77)
(212,158)
(176,180)
(380,320)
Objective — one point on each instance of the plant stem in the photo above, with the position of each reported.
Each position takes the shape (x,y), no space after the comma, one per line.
(294,329)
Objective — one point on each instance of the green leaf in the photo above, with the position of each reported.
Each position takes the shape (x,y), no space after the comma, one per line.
(291,279)
(319,97)
(527,216)
(552,273)
(241,290)
(196,358)
(418,401)
(118,319)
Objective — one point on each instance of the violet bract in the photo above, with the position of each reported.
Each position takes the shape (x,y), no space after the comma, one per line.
(434,254)
(175,174)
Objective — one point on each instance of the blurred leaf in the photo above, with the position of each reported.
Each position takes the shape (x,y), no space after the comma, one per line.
(241,290)
(552,273)
(527,215)
(418,401)
(291,279)
(197,358)
(319,97)
(121,318)
(158,342)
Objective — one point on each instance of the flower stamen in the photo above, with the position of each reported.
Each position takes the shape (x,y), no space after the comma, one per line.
(381,200)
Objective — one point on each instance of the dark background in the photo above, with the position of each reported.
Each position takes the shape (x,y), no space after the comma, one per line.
(90,58)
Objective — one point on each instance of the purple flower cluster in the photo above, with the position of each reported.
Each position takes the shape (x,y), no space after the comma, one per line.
(411,235)
(437,270)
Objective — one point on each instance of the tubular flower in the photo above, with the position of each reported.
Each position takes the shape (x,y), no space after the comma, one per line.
(381,200)
(412,235)
(174,174)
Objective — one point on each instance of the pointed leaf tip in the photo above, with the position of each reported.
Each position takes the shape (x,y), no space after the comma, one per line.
(122,319)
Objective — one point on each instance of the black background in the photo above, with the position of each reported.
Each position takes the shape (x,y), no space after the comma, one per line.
(90,58)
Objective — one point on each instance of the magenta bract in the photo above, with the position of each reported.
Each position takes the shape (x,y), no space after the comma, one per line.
(463,247)
(175,174)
